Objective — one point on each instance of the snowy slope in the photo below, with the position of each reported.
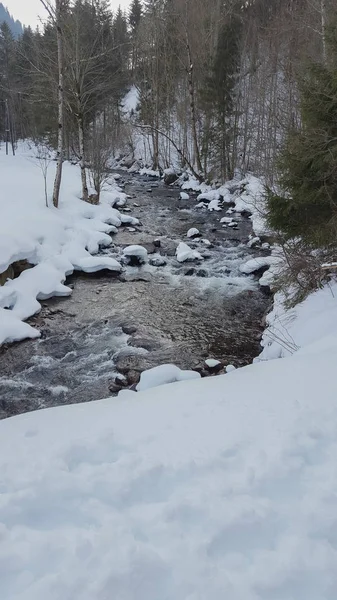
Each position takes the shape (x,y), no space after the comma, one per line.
(309,327)
(55,241)
(211,489)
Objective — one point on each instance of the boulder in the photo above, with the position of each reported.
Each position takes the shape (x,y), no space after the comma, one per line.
(170,177)
(158,261)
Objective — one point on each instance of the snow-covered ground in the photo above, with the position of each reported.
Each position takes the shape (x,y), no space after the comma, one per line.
(247,195)
(55,241)
(215,488)
(201,489)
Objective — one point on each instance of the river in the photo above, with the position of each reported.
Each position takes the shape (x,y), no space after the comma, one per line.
(116,326)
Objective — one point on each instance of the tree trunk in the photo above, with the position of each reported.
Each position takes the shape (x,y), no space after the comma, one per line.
(60,136)
(192,107)
(323,23)
(85,194)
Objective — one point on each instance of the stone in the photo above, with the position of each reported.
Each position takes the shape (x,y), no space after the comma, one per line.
(189,272)
(158,261)
(129,329)
(157,243)
(121,380)
(170,177)
(213,365)
(202,273)
(133,377)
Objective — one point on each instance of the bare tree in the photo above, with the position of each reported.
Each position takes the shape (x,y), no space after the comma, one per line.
(55,13)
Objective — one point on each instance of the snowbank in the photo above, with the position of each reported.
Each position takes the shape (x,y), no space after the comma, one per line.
(216,488)
(162,375)
(55,241)
(309,327)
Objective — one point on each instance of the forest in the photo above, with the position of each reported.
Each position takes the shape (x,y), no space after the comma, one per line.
(222,86)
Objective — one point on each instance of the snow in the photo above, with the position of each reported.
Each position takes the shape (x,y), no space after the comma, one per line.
(135,250)
(149,172)
(162,375)
(248,195)
(214,205)
(193,232)
(212,363)
(184,196)
(131,100)
(185,253)
(308,327)
(54,241)
(215,488)
(272,263)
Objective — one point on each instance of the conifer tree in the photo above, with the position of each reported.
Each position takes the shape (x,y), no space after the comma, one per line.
(308,164)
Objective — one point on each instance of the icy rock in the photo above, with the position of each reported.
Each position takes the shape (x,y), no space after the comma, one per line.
(135,255)
(185,253)
(158,261)
(193,232)
(201,205)
(162,375)
(230,368)
(184,196)
(206,242)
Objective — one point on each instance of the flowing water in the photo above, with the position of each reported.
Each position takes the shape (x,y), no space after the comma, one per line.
(111,325)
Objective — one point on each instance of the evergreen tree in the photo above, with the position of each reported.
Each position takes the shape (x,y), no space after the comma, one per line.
(218,96)
(135,15)
(308,207)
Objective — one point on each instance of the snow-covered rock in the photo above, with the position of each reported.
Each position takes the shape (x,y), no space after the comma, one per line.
(271,265)
(214,205)
(184,196)
(226,220)
(185,253)
(162,375)
(135,254)
(193,232)
(206,242)
(170,176)
(213,365)
(158,261)
(230,368)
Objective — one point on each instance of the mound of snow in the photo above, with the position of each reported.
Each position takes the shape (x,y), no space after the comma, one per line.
(185,253)
(162,375)
(210,489)
(135,251)
(272,264)
(149,172)
(193,232)
(184,196)
(214,205)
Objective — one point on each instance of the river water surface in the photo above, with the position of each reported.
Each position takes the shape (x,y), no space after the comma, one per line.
(110,326)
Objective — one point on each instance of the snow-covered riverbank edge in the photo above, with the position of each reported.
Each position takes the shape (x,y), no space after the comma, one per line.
(55,241)
(201,488)
(189,490)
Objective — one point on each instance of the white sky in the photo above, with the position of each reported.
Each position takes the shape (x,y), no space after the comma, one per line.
(27,11)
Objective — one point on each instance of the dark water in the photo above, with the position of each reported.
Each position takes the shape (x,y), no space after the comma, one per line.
(180,313)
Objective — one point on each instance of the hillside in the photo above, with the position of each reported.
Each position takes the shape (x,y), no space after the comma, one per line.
(15,26)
